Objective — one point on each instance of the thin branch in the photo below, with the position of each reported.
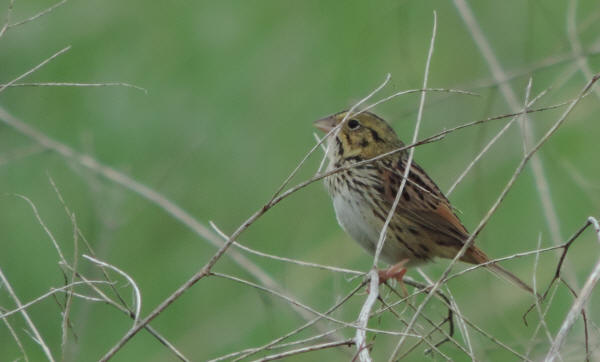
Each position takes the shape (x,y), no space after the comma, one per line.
(557,274)
(104,298)
(491,142)
(138,295)
(538,327)
(123,307)
(436,327)
(48,294)
(575,310)
(462,326)
(301,341)
(284,259)
(15,336)
(69,299)
(37,336)
(248,352)
(422,90)
(592,220)
(360,338)
(297,303)
(38,15)
(7,20)
(34,69)
(580,60)
(443,298)
(316,347)
(87,244)
(537,302)
(72,84)
(63,260)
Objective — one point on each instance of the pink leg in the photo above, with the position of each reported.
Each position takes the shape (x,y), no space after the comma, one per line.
(396,271)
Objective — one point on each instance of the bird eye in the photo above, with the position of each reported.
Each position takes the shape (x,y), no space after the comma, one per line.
(353,124)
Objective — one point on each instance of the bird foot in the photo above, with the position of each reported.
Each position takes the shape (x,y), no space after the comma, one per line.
(395,271)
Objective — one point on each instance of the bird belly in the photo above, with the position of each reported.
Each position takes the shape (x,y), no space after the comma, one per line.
(353,219)
(356,217)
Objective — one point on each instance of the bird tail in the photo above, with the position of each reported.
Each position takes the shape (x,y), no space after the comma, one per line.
(510,277)
(475,255)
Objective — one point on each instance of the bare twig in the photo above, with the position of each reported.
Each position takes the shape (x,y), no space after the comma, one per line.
(69,299)
(7,20)
(491,142)
(14,335)
(576,308)
(580,60)
(48,294)
(592,220)
(248,352)
(480,330)
(36,335)
(124,306)
(38,15)
(312,348)
(462,325)
(63,260)
(72,84)
(136,290)
(32,70)
(437,327)
(360,338)
(105,299)
(284,259)
(301,341)
(537,302)
(557,274)
(297,303)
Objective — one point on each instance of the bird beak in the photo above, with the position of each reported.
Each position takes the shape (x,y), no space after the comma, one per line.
(325,124)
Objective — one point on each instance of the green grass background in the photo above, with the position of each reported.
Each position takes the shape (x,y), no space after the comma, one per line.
(233,87)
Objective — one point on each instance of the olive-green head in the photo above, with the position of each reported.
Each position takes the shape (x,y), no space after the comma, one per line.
(362,136)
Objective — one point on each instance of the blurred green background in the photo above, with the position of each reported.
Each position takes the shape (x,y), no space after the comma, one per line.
(233,87)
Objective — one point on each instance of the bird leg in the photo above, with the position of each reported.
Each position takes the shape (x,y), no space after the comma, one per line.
(395,271)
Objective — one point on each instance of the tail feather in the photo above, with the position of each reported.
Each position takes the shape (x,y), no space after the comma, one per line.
(510,277)
(474,255)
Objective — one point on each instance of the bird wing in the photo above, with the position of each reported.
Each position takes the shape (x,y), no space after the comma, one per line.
(423,203)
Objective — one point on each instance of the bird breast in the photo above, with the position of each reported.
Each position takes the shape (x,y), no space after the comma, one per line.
(355,217)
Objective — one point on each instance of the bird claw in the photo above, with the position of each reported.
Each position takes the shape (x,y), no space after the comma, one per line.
(396,272)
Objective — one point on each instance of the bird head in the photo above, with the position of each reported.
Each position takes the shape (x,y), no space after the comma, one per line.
(361,136)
